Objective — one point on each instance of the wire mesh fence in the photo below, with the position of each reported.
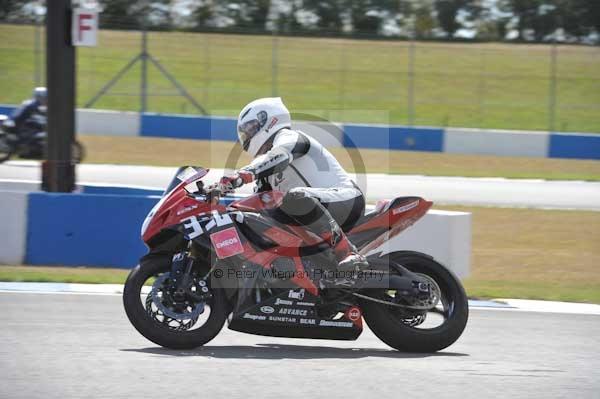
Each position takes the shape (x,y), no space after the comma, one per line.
(480,85)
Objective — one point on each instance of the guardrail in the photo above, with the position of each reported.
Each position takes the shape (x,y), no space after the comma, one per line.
(433,139)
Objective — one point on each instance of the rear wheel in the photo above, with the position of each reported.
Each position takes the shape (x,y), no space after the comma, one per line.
(163,318)
(413,330)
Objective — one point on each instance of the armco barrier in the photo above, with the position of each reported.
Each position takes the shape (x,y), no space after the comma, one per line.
(450,140)
(101,227)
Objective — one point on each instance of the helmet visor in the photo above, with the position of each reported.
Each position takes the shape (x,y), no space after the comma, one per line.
(247,130)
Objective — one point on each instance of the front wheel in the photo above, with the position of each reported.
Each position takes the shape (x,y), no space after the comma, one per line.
(413,330)
(174,321)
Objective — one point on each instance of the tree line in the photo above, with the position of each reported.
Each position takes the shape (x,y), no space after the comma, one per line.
(520,20)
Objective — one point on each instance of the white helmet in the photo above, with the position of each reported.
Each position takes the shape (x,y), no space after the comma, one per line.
(260,120)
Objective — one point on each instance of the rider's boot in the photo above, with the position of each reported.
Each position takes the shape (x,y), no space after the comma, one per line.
(315,217)
(346,254)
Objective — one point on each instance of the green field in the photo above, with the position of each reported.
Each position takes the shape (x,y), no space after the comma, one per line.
(473,85)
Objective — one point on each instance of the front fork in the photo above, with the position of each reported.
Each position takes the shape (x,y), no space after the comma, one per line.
(182,279)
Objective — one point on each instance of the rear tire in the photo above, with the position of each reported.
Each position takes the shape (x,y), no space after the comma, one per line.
(158,333)
(405,338)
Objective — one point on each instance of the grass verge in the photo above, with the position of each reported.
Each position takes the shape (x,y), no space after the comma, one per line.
(517,253)
(175,152)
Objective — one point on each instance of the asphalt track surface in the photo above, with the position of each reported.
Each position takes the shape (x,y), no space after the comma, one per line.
(532,193)
(82,346)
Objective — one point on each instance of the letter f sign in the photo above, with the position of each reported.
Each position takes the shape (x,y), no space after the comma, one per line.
(84,27)
(82,24)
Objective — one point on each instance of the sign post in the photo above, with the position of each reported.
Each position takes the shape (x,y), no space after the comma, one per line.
(58,171)
(65,29)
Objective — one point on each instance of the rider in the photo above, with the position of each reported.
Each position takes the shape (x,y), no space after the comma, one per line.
(20,122)
(319,194)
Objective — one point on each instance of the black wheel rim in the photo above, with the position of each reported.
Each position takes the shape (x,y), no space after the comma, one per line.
(431,320)
(178,315)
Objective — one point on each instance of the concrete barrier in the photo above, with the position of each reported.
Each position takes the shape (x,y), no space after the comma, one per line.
(450,140)
(188,127)
(580,146)
(393,137)
(107,123)
(101,227)
(496,142)
(445,235)
(13,226)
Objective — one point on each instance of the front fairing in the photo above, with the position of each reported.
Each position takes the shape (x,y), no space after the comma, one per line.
(177,203)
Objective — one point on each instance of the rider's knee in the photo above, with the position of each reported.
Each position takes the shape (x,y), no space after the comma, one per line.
(296,202)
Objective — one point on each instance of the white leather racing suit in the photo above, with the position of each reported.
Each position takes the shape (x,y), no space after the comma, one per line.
(300,166)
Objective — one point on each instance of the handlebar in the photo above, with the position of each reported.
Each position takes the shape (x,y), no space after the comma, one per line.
(214,192)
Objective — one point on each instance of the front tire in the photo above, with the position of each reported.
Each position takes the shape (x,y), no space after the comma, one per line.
(160,333)
(399,332)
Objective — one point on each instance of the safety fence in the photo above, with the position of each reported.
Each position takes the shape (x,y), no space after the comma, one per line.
(479,85)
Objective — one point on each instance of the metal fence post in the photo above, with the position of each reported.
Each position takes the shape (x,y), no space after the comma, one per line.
(342,83)
(552,92)
(481,87)
(37,54)
(411,83)
(274,62)
(206,48)
(144,72)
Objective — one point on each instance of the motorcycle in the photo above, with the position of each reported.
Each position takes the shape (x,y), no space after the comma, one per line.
(31,143)
(209,262)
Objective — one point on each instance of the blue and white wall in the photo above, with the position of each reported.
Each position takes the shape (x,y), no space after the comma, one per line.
(100,226)
(449,140)
(75,229)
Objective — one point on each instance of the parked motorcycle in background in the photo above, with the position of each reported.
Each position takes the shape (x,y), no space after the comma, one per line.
(30,142)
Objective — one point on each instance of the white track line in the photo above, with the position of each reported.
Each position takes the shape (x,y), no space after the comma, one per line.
(117,290)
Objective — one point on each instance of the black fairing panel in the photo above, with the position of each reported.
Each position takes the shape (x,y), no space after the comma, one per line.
(289,315)
(253,228)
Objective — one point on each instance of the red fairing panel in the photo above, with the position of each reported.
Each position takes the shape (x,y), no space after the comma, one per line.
(394,220)
(175,207)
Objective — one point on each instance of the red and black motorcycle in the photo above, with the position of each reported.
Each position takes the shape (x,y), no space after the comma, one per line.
(209,262)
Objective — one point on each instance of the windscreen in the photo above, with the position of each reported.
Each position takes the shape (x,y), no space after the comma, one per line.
(186,174)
